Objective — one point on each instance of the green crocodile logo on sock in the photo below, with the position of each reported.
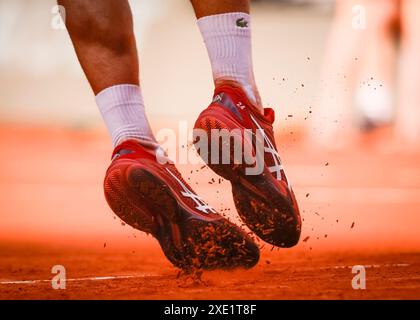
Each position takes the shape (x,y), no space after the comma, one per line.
(242,23)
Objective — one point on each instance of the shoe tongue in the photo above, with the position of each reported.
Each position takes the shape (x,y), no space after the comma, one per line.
(223,91)
(269,114)
(124,147)
(131,146)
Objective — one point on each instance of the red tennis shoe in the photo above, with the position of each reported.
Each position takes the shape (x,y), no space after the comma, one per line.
(154,198)
(264,199)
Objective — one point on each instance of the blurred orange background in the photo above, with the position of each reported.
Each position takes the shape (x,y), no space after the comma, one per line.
(55,149)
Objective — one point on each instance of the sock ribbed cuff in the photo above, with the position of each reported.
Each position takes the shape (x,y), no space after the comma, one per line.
(122,109)
(228,41)
(233,23)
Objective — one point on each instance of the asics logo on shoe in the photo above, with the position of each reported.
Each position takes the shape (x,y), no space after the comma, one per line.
(122,152)
(217,98)
(225,101)
(240,105)
(242,23)
(201,205)
(269,148)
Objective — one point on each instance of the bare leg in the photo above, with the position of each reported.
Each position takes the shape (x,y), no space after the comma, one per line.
(408,121)
(331,120)
(211,7)
(354,56)
(102,35)
(374,99)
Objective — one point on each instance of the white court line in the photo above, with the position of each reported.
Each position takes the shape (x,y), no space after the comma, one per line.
(4,282)
(367,266)
(359,195)
(81,279)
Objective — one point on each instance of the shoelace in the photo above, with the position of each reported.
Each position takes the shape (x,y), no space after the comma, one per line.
(201,205)
(277,168)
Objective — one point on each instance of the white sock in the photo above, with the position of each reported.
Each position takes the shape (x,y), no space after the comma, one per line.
(123,111)
(228,40)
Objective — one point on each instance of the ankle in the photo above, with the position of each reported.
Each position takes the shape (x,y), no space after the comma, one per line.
(123,111)
(251,91)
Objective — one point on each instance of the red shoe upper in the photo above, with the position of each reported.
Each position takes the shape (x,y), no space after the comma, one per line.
(132,152)
(231,102)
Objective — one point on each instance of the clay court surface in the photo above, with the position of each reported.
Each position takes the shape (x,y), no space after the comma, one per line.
(98,274)
(360,207)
